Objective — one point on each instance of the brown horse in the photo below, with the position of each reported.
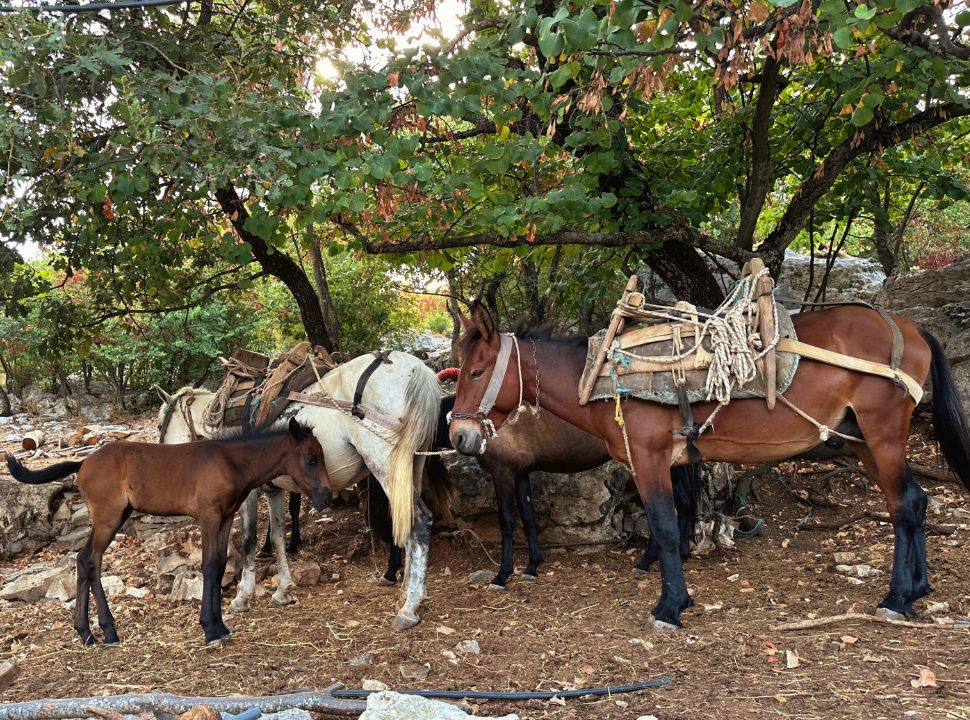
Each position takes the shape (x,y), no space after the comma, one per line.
(207,480)
(745,431)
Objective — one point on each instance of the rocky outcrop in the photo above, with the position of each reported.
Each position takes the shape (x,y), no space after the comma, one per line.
(939,300)
(596,505)
(27,514)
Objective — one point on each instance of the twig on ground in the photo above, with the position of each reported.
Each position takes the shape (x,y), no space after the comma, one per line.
(878,517)
(852,617)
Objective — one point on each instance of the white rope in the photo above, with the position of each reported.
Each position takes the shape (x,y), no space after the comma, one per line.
(732,346)
(514,416)
(824,431)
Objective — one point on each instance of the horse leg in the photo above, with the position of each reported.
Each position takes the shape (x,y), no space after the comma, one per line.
(652,476)
(504,481)
(683,479)
(417,565)
(215,540)
(395,562)
(906,501)
(102,533)
(523,496)
(294,545)
(247,584)
(85,570)
(277,529)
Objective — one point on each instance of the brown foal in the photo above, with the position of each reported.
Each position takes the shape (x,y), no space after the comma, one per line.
(207,480)
(745,430)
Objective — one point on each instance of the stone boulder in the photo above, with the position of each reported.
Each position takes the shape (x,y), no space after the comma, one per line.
(596,505)
(851,278)
(26,513)
(939,300)
(30,584)
(389,705)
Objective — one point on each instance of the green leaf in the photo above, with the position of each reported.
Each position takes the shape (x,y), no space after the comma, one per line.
(862,115)
(864,12)
(842,37)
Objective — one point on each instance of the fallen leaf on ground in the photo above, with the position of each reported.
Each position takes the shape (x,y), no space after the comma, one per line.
(927,678)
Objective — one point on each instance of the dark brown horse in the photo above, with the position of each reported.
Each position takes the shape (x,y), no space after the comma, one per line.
(745,430)
(533,444)
(207,480)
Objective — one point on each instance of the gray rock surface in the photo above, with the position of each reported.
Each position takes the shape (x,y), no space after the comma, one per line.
(389,705)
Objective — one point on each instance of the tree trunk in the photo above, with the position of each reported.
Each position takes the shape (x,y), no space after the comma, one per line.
(4,403)
(454,291)
(686,274)
(330,318)
(280,266)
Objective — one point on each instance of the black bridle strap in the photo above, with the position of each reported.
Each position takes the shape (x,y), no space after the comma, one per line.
(380,358)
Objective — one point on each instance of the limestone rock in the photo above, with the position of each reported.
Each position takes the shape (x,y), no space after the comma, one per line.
(389,705)
(25,514)
(30,584)
(186,586)
(63,588)
(305,573)
(113,585)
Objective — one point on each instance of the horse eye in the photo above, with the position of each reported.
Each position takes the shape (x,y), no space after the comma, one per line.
(477,374)
(312,460)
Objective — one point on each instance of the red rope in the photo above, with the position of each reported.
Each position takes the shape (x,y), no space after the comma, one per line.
(448,374)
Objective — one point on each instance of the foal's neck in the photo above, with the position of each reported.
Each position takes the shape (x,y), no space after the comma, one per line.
(262,459)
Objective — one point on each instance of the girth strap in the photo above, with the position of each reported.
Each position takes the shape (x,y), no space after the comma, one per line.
(380,358)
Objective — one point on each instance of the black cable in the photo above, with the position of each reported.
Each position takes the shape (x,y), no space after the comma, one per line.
(493,695)
(90,7)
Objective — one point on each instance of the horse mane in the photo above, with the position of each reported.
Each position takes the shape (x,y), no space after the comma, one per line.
(243,434)
(525,331)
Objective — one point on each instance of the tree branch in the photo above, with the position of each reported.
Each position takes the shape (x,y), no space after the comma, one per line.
(868,139)
(682,234)
(759,181)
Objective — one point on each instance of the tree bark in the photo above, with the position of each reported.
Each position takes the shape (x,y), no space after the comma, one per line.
(759,181)
(686,274)
(4,403)
(280,266)
(330,318)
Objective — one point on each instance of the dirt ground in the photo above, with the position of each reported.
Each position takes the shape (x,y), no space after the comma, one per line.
(584,623)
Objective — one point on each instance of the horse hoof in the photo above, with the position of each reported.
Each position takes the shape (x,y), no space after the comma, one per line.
(529,578)
(89,640)
(217,643)
(239,606)
(404,621)
(639,572)
(496,587)
(889,614)
(282,600)
(384,582)
(660,627)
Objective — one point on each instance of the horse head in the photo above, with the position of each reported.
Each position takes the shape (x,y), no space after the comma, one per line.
(486,393)
(306,465)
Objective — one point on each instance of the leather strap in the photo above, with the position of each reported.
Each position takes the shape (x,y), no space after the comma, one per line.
(498,377)
(380,358)
(325,401)
(851,363)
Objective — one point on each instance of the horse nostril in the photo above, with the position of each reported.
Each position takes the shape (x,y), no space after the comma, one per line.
(460,441)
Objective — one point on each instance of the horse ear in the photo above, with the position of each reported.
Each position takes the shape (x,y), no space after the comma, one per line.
(467,324)
(482,319)
(296,430)
(166,398)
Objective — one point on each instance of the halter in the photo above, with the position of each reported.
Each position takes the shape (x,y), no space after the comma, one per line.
(506,343)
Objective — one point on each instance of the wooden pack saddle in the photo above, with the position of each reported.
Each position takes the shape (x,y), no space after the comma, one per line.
(256,389)
(669,355)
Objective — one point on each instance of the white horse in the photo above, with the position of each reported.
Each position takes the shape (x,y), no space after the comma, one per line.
(400,406)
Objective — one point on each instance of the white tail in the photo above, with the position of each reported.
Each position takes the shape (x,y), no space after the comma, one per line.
(422,400)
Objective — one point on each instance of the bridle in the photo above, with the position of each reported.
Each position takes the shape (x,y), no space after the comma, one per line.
(506,342)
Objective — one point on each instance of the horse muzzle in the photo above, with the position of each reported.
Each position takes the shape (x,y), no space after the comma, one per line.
(321,498)
(466,438)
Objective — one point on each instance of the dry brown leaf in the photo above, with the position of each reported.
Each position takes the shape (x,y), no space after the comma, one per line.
(849,639)
(791,659)
(927,678)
